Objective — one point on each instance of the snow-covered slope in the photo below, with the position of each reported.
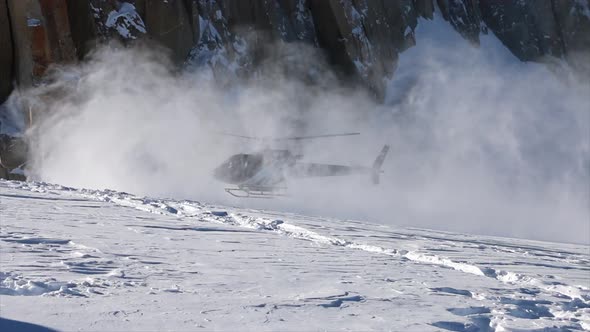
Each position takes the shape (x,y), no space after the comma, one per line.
(103,260)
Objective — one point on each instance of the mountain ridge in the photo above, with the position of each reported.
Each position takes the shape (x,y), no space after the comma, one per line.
(361,39)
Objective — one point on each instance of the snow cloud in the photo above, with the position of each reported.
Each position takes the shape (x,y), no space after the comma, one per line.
(481,143)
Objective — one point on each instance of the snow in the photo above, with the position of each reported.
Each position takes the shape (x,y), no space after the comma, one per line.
(408,31)
(123,19)
(33,22)
(76,259)
(582,7)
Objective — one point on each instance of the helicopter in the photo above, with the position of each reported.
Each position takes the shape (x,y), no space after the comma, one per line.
(263,174)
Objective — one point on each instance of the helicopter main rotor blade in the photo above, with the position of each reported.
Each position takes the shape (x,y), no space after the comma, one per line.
(314,136)
(242,136)
(294,138)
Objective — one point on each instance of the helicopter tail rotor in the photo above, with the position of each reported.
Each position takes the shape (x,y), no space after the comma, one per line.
(376,171)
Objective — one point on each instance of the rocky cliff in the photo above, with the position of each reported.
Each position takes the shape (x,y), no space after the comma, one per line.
(6,53)
(361,39)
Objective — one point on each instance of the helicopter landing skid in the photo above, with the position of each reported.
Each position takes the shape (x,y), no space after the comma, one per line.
(256,192)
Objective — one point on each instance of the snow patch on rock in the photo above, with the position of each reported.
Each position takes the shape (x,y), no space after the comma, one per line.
(126,21)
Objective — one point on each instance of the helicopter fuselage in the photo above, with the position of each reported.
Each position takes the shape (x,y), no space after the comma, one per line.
(267,168)
(270,169)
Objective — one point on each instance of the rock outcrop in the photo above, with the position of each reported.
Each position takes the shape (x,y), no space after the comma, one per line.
(13,156)
(7,53)
(170,24)
(362,39)
(40,35)
(532,30)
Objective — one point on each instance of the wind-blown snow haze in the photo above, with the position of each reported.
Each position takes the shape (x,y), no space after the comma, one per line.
(481,143)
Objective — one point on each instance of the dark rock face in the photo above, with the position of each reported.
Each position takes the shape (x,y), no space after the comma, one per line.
(330,36)
(7,54)
(58,32)
(572,19)
(169,23)
(83,28)
(19,34)
(528,29)
(41,35)
(531,30)
(464,16)
(362,39)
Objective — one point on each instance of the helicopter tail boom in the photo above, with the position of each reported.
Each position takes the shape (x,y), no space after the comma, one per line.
(321,170)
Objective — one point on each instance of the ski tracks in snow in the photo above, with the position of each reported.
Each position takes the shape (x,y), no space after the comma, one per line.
(546,299)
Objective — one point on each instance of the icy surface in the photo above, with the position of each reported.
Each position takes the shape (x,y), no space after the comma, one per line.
(103,260)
